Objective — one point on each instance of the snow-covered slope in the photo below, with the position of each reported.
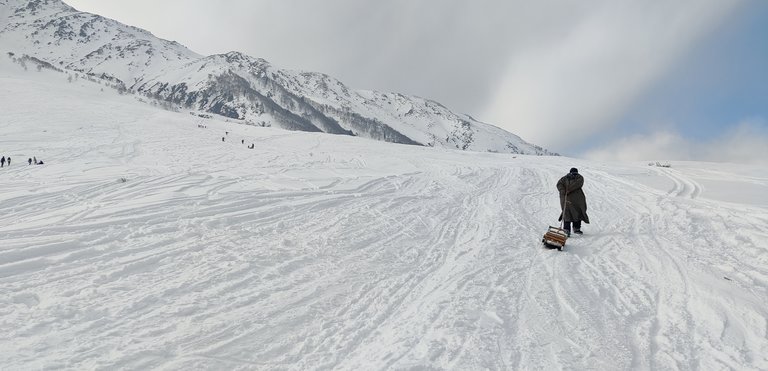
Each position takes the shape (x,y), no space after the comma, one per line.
(235,85)
(145,242)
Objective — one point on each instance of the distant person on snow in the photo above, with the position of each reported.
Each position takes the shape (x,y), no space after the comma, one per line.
(30,161)
(573,200)
(2,162)
(9,160)
(34,159)
(222,139)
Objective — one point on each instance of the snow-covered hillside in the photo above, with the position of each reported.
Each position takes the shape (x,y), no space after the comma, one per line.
(235,85)
(147,242)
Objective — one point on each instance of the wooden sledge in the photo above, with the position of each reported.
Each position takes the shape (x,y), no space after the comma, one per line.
(555,238)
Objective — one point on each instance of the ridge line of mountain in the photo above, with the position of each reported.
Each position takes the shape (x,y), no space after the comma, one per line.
(235,85)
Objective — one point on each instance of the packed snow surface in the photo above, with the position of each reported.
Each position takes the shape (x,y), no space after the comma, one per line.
(147,242)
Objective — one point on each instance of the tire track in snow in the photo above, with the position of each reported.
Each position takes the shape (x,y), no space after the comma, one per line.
(683,186)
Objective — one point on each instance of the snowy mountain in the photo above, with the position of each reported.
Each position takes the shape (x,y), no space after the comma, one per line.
(146,242)
(235,85)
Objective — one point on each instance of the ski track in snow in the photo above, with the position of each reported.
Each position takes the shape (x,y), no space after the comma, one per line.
(684,187)
(325,252)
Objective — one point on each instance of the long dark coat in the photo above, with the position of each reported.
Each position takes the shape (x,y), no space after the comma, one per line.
(576,205)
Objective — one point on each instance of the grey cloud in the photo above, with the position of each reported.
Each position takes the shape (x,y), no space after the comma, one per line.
(448,50)
(568,88)
(554,72)
(445,50)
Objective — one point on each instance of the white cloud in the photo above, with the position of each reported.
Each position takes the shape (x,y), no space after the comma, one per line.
(745,143)
(656,146)
(555,72)
(564,89)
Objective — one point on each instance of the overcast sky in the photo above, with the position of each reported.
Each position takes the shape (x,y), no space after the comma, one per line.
(597,78)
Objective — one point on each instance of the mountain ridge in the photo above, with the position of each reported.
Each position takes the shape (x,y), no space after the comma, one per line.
(241,87)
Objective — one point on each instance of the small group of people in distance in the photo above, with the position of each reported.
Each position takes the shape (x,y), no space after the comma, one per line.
(242,141)
(7,161)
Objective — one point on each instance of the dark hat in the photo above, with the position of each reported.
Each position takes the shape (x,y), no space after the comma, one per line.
(574,170)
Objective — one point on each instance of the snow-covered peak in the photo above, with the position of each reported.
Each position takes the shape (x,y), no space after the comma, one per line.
(235,57)
(89,43)
(27,8)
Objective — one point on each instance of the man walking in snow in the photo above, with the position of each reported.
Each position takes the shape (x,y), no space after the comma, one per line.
(573,202)
(2,162)
(9,160)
